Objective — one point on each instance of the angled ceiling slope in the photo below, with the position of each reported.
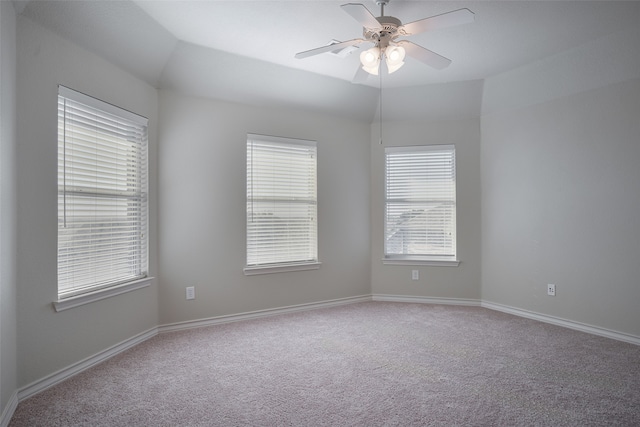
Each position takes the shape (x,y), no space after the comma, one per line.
(118,31)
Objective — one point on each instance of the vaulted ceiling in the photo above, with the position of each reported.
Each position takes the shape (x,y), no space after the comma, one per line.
(244,51)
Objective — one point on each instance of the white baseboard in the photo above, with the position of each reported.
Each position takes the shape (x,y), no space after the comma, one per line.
(8,411)
(61,375)
(607,333)
(426,300)
(261,313)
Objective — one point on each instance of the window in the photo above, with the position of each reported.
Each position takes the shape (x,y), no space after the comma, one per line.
(282,226)
(420,204)
(102,195)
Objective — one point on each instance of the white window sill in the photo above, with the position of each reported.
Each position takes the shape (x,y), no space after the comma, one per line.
(67,303)
(280,268)
(425,262)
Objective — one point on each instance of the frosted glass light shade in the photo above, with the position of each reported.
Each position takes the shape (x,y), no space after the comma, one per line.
(370,60)
(394,57)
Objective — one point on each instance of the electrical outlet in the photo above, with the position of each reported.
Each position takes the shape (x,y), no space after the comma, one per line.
(415,275)
(551,290)
(191,292)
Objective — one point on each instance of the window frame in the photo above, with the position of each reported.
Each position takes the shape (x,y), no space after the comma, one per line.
(87,291)
(252,265)
(446,260)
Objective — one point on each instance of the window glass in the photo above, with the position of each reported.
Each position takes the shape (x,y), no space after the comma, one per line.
(420,203)
(281,201)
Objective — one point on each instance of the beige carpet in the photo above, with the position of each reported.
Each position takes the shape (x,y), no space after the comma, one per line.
(366,364)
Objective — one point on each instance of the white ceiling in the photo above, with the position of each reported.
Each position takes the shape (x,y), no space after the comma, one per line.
(242,49)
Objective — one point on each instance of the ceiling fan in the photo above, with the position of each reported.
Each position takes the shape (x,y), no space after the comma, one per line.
(383,33)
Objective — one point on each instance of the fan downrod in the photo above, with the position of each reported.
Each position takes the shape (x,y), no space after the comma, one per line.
(382,4)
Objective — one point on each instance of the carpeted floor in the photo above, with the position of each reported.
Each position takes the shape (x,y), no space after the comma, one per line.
(365,364)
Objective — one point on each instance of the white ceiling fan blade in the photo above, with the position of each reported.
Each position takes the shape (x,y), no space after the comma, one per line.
(329,48)
(430,58)
(449,19)
(346,51)
(361,14)
(360,76)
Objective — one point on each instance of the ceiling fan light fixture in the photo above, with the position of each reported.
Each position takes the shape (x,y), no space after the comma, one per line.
(370,60)
(394,57)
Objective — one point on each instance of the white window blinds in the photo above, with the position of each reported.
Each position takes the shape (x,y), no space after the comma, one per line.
(102,194)
(281,201)
(420,212)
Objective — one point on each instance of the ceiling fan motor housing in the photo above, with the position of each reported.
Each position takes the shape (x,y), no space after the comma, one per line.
(382,36)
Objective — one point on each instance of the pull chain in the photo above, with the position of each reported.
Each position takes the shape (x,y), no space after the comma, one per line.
(380,72)
(381,3)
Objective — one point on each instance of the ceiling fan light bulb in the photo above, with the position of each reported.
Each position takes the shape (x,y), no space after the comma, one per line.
(394,55)
(370,57)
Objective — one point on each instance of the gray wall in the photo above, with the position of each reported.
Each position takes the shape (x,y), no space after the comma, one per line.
(203,210)
(49,341)
(8,340)
(561,185)
(462,281)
